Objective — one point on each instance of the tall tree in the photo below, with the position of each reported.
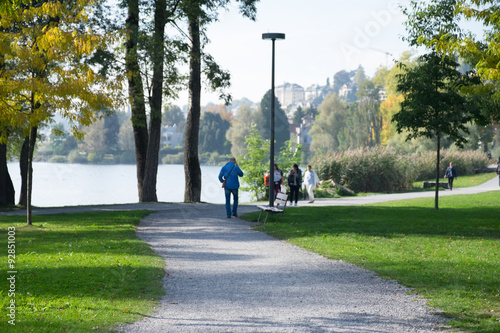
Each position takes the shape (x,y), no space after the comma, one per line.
(192,170)
(240,129)
(433,106)
(438,25)
(45,54)
(369,105)
(213,133)
(329,125)
(281,124)
(199,14)
(150,58)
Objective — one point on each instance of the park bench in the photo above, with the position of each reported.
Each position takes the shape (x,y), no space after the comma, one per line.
(433,184)
(278,208)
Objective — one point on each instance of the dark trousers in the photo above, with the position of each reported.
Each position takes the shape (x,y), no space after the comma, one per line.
(450,183)
(228,193)
(294,193)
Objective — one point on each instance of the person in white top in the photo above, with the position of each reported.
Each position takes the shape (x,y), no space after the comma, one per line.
(278,179)
(310,180)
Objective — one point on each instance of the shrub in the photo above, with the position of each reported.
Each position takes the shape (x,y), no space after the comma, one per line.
(75,157)
(381,169)
(173,159)
(367,170)
(127,157)
(58,159)
(95,158)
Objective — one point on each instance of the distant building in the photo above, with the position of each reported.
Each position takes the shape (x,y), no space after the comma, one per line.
(170,136)
(313,92)
(289,94)
(348,91)
(302,130)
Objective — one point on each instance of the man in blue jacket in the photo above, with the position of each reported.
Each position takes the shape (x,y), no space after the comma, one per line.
(229,174)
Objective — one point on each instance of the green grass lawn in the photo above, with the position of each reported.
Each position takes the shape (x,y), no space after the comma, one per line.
(463,181)
(450,256)
(79,272)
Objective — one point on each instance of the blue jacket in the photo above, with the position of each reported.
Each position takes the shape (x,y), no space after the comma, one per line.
(232,182)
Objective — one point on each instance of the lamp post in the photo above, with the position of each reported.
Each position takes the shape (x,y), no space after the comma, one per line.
(272,36)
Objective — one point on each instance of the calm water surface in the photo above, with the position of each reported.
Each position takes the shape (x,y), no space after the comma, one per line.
(57,184)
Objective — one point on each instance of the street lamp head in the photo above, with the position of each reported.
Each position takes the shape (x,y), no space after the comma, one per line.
(273,35)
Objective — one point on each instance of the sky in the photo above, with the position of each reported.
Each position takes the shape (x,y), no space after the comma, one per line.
(322,38)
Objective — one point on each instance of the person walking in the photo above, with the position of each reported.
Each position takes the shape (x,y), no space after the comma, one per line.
(451,174)
(294,181)
(311,180)
(278,179)
(498,171)
(228,176)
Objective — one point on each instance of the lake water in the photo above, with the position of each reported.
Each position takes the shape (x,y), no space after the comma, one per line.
(57,184)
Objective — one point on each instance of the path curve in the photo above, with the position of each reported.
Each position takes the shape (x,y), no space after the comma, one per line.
(223,276)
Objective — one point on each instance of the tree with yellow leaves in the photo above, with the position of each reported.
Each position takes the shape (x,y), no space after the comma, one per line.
(44,70)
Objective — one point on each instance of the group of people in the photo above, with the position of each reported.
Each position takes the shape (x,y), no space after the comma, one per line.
(230,173)
(295,180)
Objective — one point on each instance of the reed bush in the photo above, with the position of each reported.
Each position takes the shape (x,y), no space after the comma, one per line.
(382,169)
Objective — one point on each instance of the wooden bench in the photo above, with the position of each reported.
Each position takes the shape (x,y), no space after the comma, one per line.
(433,184)
(279,208)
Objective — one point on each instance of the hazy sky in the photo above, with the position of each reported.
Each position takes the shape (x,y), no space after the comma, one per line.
(322,38)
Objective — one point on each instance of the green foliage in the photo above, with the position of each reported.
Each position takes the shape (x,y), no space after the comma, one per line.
(173,158)
(81,272)
(449,256)
(75,157)
(213,134)
(58,159)
(281,124)
(367,170)
(95,158)
(255,162)
(439,26)
(382,169)
(433,106)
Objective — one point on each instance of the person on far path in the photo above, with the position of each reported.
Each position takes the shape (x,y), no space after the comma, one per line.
(230,173)
(498,171)
(278,179)
(311,180)
(451,174)
(294,181)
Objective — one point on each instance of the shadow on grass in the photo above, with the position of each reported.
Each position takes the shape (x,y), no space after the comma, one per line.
(388,221)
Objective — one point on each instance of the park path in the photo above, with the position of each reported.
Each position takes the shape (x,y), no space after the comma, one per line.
(223,276)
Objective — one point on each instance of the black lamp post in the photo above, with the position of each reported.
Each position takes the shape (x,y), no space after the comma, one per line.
(272,36)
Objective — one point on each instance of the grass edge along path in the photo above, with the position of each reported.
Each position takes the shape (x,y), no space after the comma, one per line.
(450,257)
(79,272)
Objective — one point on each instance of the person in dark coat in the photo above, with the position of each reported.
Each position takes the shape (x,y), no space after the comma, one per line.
(451,174)
(295,182)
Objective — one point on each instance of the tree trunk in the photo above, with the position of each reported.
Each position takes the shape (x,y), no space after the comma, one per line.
(192,171)
(23,166)
(436,197)
(153,149)
(6,187)
(136,93)
(29,185)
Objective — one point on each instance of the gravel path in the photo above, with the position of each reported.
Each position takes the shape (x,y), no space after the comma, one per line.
(222,276)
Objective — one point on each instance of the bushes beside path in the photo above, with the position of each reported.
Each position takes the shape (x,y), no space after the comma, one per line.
(382,169)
